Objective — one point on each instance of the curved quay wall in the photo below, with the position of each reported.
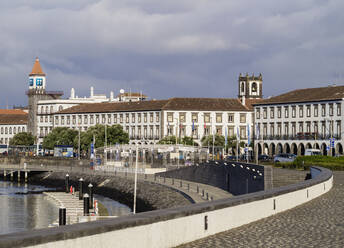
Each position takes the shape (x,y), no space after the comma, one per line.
(175,226)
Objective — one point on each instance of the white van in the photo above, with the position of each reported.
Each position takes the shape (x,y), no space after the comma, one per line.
(311,152)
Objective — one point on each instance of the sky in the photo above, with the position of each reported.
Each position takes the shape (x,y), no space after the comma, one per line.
(170,48)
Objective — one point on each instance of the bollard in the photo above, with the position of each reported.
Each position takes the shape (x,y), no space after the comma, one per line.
(188,186)
(67,183)
(202,192)
(181,184)
(86,204)
(62,216)
(90,191)
(26,176)
(207,196)
(81,184)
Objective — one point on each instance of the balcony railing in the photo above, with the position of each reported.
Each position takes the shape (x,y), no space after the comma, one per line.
(301,136)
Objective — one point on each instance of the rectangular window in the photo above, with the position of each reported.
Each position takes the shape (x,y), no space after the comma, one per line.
(109,118)
(91,119)
(151,117)
(121,118)
(308,110)
(139,118)
(331,109)
(85,119)
(272,112)
(195,117)
(157,116)
(339,109)
(145,118)
(97,119)
(127,118)
(181,117)
(56,120)
(46,118)
(258,113)
(115,118)
(264,113)
(231,117)
(286,112)
(231,131)
(279,112)
(206,117)
(62,120)
(293,111)
(300,111)
(272,129)
(323,110)
(300,127)
(218,118)
(68,120)
(243,132)
(80,119)
(315,110)
(74,119)
(132,118)
(169,117)
(242,118)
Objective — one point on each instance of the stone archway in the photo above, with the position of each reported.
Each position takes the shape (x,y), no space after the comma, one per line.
(286,148)
(301,149)
(316,146)
(294,148)
(259,149)
(279,148)
(309,146)
(339,149)
(272,149)
(266,149)
(323,149)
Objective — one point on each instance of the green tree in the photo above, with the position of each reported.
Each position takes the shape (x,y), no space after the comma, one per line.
(115,135)
(22,139)
(189,141)
(60,136)
(208,140)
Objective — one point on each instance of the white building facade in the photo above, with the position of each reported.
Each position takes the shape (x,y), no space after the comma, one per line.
(301,119)
(11,123)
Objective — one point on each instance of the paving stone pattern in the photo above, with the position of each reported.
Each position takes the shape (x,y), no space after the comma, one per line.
(318,223)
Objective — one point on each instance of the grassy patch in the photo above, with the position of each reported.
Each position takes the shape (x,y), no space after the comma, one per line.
(102,210)
(304,162)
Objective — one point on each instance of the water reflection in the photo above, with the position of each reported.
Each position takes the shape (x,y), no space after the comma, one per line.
(20,212)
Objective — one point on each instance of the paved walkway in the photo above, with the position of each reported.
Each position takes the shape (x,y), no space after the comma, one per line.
(318,223)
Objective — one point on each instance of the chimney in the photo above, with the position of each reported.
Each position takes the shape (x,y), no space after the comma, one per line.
(72,93)
(92,92)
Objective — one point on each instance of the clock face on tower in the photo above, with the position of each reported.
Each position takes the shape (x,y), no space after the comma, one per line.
(31,82)
(39,82)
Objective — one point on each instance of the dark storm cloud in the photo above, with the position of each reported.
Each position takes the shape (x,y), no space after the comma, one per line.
(170,48)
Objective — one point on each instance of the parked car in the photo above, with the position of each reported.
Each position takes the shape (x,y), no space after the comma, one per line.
(263,157)
(311,152)
(231,158)
(284,157)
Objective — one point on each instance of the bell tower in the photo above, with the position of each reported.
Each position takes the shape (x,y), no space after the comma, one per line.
(250,86)
(37,92)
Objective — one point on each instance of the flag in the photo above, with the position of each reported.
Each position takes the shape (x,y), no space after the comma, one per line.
(248,134)
(193,125)
(225,136)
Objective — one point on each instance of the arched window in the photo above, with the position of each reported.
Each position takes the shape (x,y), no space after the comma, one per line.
(23,129)
(42,109)
(47,109)
(242,87)
(14,130)
(10,130)
(60,108)
(254,87)
(6,130)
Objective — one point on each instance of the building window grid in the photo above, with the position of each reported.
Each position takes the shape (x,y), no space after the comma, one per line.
(286,112)
(339,109)
(264,113)
(293,111)
(300,111)
(218,118)
(242,118)
(279,112)
(308,110)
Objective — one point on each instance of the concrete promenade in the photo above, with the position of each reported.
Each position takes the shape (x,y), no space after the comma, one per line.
(318,223)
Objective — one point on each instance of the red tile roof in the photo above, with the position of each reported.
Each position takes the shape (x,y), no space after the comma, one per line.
(307,95)
(13,119)
(37,69)
(12,112)
(196,104)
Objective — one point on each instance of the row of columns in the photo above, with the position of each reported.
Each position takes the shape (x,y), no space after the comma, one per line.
(11,173)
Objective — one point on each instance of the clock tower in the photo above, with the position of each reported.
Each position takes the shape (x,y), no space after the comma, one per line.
(37,92)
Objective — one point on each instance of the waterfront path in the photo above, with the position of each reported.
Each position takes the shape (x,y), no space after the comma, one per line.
(318,223)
